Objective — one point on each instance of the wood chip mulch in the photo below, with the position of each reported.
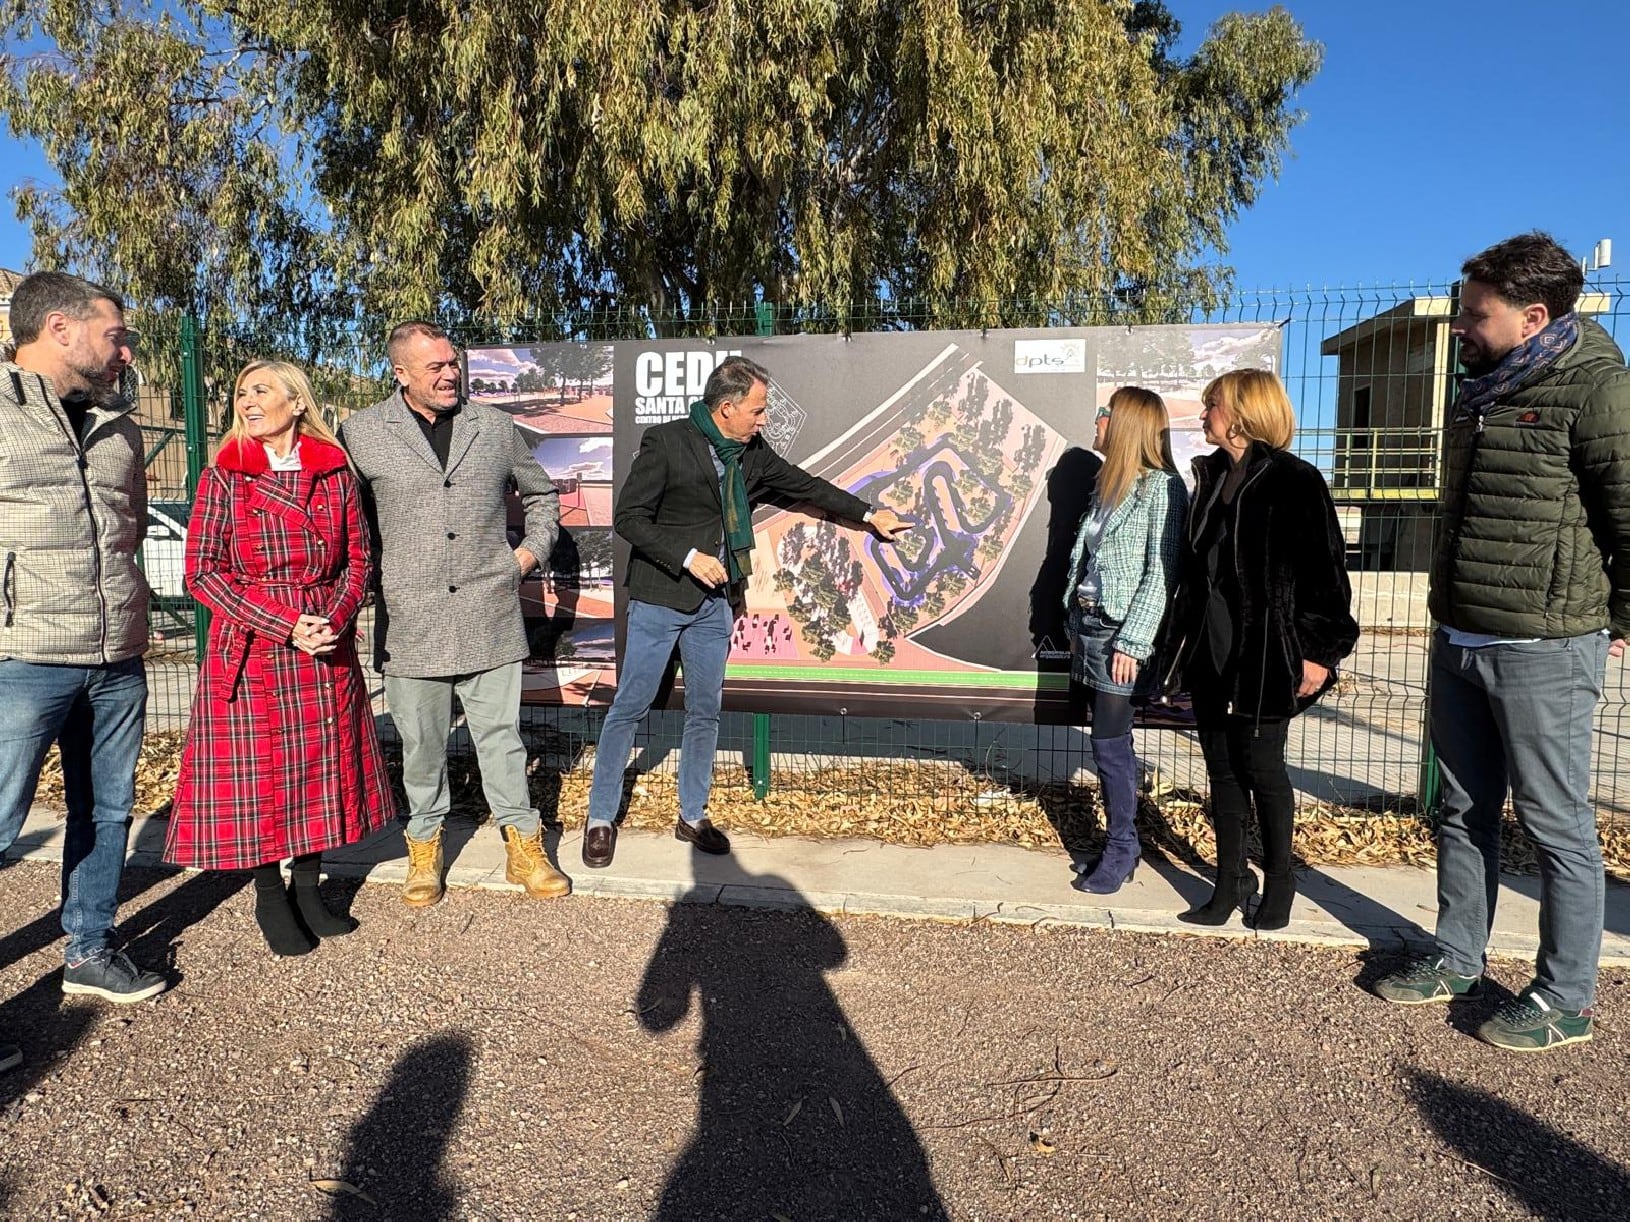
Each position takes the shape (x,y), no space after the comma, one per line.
(920,804)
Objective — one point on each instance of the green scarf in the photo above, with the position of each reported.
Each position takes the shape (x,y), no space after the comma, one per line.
(738,514)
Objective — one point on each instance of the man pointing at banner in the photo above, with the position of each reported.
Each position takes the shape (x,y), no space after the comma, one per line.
(686,510)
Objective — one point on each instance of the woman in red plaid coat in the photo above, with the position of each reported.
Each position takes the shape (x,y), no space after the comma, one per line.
(281,758)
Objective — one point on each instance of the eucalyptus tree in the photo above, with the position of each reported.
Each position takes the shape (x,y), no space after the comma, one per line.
(864,162)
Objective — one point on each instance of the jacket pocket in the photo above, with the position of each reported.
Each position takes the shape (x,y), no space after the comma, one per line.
(8,587)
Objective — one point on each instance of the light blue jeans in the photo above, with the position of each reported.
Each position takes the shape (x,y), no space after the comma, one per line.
(1519,716)
(703,637)
(95,716)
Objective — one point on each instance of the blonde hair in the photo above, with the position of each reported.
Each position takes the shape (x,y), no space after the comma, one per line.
(1257,401)
(1138,440)
(297,386)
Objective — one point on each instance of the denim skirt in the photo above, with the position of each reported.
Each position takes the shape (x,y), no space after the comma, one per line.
(1092,644)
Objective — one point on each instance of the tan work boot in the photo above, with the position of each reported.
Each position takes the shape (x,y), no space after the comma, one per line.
(424,885)
(529,865)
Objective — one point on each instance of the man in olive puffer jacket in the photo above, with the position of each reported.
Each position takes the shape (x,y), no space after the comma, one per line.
(1531,591)
(73,604)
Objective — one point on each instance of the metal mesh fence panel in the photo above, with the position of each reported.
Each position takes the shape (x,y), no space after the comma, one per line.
(1371,372)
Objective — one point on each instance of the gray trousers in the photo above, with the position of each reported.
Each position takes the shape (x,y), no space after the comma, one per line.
(423,711)
(1519,716)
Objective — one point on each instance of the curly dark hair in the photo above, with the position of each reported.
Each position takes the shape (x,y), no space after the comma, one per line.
(1529,268)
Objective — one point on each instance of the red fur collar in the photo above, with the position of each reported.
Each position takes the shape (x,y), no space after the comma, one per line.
(249,457)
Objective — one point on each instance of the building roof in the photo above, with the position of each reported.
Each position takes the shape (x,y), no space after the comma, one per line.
(9,280)
(1427,309)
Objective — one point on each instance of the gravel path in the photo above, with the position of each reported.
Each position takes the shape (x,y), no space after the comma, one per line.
(496,1057)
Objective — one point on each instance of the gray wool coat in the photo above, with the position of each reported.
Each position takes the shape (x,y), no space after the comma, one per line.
(448,586)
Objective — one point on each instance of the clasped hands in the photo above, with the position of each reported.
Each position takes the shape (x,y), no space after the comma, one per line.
(313,635)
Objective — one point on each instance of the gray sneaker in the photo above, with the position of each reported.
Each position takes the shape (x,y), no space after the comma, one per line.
(111,975)
(1426,980)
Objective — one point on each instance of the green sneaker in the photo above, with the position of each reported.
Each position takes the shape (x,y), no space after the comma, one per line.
(1425,980)
(1530,1024)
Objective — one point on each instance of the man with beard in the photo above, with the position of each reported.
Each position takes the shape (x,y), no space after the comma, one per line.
(1530,588)
(73,605)
(435,473)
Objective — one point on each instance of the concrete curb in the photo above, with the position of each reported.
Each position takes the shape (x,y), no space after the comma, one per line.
(1370,908)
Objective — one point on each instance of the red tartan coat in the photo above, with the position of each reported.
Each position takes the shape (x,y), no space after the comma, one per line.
(281,756)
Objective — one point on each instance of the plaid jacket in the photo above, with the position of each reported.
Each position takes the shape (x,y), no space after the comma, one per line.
(72,513)
(450,590)
(1137,558)
(281,756)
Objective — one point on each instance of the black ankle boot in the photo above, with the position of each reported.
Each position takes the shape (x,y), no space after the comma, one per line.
(1278,892)
(1231,892)
(308,901)
(275,914)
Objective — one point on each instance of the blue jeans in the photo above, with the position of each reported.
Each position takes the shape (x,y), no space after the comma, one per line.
(1520,715)
(95,715)
(704,645)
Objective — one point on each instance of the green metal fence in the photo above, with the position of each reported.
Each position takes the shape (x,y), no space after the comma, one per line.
(1370,370)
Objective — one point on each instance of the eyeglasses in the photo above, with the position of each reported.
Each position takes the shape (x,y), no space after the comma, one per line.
(1103,413)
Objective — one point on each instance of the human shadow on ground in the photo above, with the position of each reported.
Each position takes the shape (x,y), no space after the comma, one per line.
(1546,1172)
(48,1026)
(395,1153)
(1074,813)
(794,1118)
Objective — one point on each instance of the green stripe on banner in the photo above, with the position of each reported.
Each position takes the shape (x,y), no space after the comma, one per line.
(927,678)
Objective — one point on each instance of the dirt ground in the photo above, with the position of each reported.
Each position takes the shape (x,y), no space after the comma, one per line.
(496,1057)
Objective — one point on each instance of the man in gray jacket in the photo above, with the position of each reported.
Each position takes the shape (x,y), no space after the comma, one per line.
(73,604)
(435,471)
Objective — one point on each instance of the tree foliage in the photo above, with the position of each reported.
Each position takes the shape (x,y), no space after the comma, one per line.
(857,161)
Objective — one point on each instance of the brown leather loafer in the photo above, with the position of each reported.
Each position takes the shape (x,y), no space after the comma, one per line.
(703,835)
(599,845)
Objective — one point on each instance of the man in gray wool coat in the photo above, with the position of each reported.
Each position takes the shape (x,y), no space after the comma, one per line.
(435,471)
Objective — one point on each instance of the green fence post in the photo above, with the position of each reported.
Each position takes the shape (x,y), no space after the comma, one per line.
(1429,777)
(764,318)
(197,426)
(1429,782)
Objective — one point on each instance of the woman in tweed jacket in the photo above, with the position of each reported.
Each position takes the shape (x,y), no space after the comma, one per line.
(1124,561)
(281,758)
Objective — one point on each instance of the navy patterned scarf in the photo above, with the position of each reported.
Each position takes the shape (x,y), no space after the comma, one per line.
(1535,353)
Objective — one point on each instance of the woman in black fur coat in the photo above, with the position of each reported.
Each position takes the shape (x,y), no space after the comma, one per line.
(1260,620)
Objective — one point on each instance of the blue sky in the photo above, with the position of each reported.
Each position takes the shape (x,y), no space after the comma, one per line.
(1434,128)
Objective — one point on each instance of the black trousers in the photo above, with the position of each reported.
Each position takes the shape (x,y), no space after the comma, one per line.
(1245,765)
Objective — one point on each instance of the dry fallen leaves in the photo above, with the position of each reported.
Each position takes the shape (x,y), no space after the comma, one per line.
(919,803)
(336,1188)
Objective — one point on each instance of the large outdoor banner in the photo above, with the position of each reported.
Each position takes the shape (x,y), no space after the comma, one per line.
(980,438)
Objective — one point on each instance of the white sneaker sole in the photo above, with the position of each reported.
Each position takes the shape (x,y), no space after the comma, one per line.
(118,999)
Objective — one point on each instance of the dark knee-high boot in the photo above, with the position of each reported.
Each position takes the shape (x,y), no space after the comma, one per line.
(275,915)
(308,902)
(1235,882)
(1276,819)
(1118,789)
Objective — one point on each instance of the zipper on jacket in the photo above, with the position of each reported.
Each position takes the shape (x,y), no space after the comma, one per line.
(90,512)
(1466,490)
(1238,505)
